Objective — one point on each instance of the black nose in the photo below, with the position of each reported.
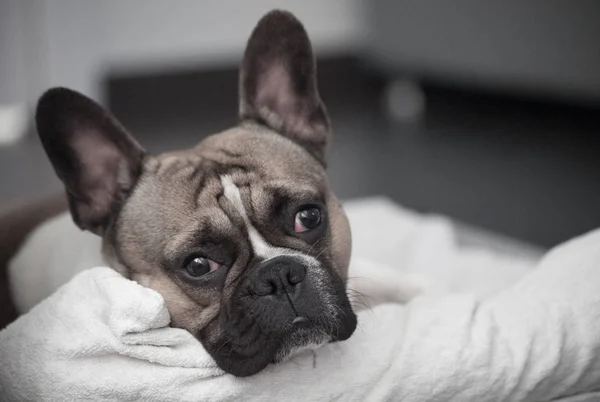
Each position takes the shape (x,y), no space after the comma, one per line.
(278,275)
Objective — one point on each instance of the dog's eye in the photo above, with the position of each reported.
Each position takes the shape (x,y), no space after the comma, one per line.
(307,219)
(198,266)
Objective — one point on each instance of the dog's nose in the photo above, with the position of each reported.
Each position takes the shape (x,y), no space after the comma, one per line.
(278,275)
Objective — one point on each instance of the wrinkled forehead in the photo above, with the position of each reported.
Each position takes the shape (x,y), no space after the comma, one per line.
(251,155)
(184,191)
(262,150)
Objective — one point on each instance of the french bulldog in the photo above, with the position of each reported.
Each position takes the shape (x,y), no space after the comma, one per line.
(241,234)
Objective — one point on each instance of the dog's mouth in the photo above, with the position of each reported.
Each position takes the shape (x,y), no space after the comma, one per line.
(248,348)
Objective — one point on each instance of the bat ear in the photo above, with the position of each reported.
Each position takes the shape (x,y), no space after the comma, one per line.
(278,83)
(93,155)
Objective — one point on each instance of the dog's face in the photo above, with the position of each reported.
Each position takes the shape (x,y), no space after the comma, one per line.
(241,235)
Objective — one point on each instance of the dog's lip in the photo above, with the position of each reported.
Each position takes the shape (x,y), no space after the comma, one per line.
(251,358)
(346,331)
(251,349)
(300,321)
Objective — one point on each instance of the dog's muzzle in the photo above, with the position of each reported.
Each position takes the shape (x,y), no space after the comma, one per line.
(281,305)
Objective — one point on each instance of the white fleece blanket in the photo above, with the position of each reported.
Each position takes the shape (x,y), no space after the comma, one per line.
(535,338)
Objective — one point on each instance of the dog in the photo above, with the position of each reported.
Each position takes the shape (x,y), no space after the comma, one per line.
(241,234)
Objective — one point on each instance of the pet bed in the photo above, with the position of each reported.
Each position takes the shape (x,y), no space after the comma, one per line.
(495,326)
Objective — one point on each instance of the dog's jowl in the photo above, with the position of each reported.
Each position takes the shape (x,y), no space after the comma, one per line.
(241,234)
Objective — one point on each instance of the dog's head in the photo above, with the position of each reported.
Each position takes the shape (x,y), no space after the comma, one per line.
(241,234)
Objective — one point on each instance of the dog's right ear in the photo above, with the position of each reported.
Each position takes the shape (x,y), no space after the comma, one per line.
(93,155)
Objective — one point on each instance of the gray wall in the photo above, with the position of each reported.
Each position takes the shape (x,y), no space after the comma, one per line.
(549,47)
(76,43)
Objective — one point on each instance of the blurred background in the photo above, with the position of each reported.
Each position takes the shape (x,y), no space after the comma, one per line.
(484,111)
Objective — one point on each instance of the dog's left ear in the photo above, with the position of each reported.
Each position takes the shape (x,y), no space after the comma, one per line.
(278,83)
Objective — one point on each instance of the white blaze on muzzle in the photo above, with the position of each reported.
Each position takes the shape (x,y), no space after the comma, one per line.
(260,246)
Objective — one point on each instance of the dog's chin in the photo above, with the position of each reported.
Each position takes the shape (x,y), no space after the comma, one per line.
(300,342)
(247,359)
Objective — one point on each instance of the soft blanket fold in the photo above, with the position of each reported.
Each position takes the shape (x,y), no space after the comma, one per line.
(103,337)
